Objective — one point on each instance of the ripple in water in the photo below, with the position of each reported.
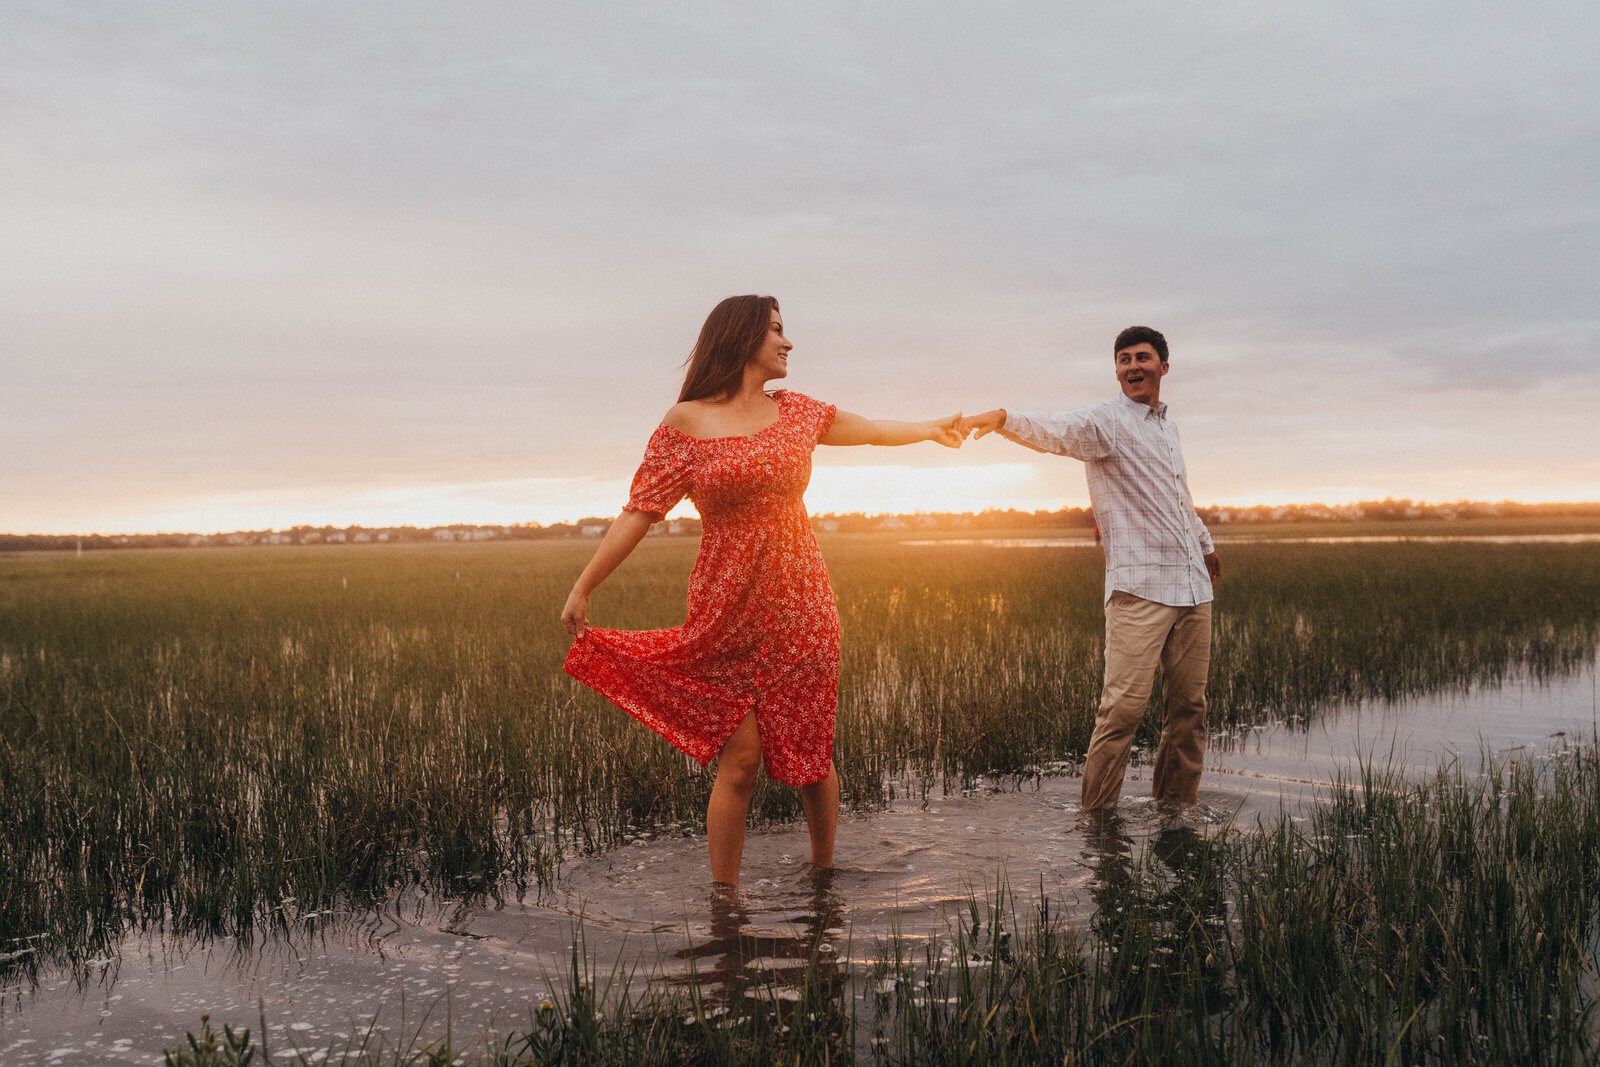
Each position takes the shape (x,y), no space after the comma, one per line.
(647,907)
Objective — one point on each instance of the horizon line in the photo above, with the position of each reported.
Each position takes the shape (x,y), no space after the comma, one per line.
(589,519)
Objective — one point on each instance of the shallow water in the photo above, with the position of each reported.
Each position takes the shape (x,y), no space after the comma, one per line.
(908,871)
(1249,539)
(1415,737)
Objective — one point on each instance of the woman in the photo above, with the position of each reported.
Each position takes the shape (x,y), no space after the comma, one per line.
(763,632)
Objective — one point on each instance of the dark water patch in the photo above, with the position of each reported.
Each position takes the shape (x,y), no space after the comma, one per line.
(911,872)
(421,960)
(1247,539)
(1527,714)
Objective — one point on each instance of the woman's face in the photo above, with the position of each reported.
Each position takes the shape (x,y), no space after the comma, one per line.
(772,358)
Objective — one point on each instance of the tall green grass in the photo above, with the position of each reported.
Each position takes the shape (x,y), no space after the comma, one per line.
(1452,922)
(192,737)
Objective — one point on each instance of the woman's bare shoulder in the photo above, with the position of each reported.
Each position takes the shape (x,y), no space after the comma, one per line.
(684,415)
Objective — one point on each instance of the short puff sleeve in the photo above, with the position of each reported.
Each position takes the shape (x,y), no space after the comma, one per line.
(665,474)
(815,414)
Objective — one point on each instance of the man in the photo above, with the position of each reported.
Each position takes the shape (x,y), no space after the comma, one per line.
(1160,564)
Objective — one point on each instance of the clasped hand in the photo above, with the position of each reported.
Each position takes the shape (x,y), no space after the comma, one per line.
(947,431)
(952,430)
(978,425)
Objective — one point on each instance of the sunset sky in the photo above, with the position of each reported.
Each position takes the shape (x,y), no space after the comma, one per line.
(279,263)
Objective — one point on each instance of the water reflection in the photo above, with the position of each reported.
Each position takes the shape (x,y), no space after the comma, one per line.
(1167,905)
(909,870)
(1248,539)
(735,952)
(1299,756)
(1179,844)
(741,967)
(1107,851)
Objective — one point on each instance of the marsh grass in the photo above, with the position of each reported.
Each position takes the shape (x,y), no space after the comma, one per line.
(216,740)
(1455,922)
(1452,922)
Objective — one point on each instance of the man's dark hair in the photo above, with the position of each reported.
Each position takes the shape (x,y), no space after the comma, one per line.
(1141,335)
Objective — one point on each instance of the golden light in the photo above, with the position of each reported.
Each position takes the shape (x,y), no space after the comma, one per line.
(901,489)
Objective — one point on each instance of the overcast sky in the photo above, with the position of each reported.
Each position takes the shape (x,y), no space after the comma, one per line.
(296,262)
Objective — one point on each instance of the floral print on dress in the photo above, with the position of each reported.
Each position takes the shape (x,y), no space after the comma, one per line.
(762,632)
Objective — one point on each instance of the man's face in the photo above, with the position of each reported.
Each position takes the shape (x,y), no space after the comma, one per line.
(1140,370)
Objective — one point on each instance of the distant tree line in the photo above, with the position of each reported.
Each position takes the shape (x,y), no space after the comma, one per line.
(333,535)
(849,522)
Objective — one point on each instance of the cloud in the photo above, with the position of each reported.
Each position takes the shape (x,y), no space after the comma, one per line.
(444,244)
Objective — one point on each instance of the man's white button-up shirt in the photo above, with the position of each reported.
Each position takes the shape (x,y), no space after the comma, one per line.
(1139,488)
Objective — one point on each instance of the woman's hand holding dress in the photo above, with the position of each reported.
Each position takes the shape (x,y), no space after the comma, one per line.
(575,616)
(624,534)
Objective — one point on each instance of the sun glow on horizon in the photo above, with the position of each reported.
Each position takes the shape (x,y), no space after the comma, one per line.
(903,489)
(871,489)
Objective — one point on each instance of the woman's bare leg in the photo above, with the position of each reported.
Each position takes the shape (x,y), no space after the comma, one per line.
(821,801)
(737,766)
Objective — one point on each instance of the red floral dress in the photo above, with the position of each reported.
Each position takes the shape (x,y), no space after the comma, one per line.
(763,630)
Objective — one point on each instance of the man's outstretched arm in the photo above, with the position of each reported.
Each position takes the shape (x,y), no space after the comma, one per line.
(1085,433)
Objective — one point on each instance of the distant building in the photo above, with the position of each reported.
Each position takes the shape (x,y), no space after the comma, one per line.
(592,530)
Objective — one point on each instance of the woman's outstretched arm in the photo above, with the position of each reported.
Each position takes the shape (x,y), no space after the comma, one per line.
(851,429)
(623,537)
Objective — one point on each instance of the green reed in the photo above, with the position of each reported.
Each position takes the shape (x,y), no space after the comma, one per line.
(1452,922)
(194,737)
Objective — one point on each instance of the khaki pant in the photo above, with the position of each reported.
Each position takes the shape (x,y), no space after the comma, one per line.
(1139,634)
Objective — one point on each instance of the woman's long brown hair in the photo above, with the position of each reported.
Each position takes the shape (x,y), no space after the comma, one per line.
(732,335)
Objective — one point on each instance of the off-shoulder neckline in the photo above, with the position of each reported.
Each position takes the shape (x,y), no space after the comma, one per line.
(777,394)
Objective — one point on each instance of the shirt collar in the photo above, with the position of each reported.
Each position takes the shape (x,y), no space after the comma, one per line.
(1143,410)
